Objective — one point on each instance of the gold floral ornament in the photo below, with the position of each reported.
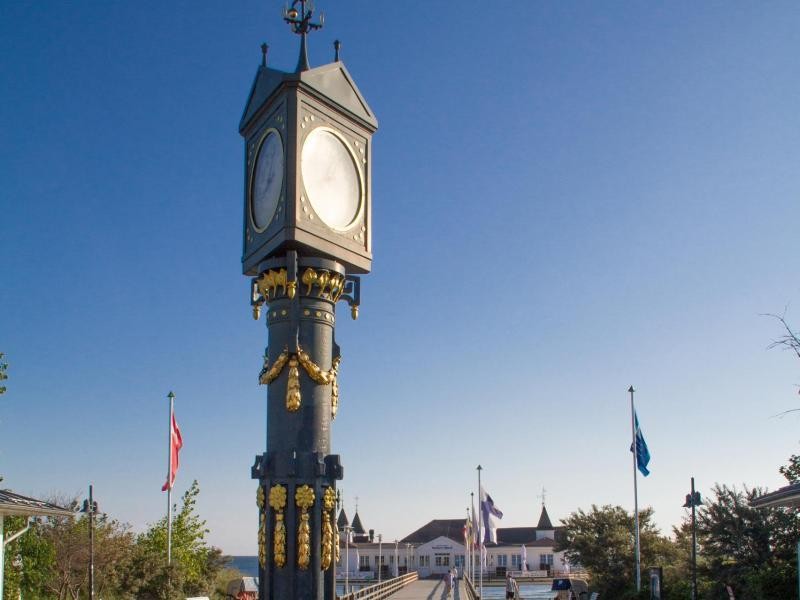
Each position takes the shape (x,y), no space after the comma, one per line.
(262,528)
(270,373)
(327,550)
(304,499)
(330,285)
(293,386)
(335,386)
(265,288)
(277,500)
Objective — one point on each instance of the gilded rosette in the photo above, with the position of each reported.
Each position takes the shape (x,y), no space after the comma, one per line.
(293,386)
(304,499)
(277,500)
(271,372)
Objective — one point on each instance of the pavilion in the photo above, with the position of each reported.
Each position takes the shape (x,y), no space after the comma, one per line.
(14,505)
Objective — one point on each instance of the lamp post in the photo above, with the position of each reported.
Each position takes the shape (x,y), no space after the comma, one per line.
(380,556)
(90,508)
(693,500)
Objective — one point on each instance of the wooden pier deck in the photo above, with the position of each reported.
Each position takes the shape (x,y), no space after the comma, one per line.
(430,589)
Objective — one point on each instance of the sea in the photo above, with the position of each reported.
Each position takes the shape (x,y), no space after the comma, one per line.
(247,565)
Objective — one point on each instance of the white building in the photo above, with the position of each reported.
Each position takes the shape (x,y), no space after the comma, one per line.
(439,545)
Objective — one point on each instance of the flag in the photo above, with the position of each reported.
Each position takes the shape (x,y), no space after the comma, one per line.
(176,443)
(489,510)
(474,526)
(642,453)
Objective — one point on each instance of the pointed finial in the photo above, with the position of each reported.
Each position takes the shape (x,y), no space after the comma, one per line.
(264,49)
(337,46)
(301,24)
(631,390)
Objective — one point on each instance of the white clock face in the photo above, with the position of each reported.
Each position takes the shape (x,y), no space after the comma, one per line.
(331,179)
(267,180)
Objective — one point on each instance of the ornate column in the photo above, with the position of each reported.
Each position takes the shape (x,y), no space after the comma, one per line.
(297,474)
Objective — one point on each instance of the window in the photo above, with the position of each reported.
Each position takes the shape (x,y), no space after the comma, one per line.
(391,559)
(546,559)
(425,561)
(502,560)
(442,560)
(516,561)
(459,560)
(363,563)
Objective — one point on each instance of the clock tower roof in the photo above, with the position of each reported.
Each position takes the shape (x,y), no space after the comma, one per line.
(332,81)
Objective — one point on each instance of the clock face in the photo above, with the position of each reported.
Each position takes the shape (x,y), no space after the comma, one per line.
(331,178)
(267,180)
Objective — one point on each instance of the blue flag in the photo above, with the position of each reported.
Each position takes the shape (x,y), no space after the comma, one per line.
(642,453)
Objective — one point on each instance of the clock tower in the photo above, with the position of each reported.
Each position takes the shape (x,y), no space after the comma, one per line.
(307,239)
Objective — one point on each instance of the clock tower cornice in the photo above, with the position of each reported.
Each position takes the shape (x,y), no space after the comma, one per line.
(329,84)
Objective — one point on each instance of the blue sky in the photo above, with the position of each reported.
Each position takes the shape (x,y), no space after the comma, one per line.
(569,198)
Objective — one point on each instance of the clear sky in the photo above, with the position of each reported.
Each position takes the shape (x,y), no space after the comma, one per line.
(569,198)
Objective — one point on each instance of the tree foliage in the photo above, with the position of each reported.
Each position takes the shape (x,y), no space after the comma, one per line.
(3,373)
(602,541)
(750,549)
(51,561)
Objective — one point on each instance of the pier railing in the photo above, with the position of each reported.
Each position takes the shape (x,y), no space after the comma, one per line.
(472,593)
(383,589)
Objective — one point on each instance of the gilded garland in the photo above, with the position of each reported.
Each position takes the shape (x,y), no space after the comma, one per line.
(270,373)
(262,528)
(327,550)
(277,500)
(304,499)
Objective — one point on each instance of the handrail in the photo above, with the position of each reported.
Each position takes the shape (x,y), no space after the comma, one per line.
(383,589)
(472,593)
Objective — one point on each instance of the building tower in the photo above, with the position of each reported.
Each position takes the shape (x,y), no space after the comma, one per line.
(307,237)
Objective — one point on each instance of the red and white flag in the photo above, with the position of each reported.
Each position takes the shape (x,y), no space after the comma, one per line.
(176,443)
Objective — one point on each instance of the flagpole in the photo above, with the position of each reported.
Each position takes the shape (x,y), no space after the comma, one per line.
(635,494)
(171,397)
(480,534)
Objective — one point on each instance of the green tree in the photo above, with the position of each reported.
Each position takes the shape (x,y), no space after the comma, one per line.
(602,541)
(750,549)
(195,564)
(3,374)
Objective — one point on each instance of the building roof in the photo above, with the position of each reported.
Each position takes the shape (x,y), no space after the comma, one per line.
(14,504)
(342,521)
(786,496)
(358,528)
(454,529)
(544,520)
(449,528)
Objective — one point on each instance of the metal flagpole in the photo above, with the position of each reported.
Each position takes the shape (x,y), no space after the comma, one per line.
(171,397)
(635,494)
(480,534)
(472,540)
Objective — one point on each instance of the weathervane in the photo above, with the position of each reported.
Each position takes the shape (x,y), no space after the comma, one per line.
(301,25)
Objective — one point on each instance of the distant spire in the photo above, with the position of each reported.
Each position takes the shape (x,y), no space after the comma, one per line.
(337,46)
(544,520)
(301,24)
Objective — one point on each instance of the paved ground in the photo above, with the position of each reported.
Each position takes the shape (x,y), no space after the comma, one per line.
(429,589)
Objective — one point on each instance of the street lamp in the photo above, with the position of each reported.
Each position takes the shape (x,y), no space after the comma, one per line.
(692,501)
(90,508)
(380,556)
